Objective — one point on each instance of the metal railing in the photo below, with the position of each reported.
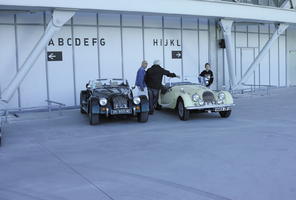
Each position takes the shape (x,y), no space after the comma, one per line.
(59,104)
(4,112)
(253,89)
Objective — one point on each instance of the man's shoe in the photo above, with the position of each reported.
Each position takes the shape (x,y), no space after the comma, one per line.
(150,112)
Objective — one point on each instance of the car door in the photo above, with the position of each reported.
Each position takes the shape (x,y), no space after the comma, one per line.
(168,98)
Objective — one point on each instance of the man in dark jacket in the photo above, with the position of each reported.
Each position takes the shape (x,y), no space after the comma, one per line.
(206,77)
(153,81)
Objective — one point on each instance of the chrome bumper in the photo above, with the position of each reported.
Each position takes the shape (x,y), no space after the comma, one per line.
(223,107)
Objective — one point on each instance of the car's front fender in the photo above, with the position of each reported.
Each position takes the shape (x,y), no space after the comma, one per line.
(187,100)
(228,98)
(144,103)
(94,105)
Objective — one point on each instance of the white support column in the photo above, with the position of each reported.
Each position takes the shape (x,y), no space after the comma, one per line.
(279,30)
(288,4)
(59,18)
(293,4)
(226,26)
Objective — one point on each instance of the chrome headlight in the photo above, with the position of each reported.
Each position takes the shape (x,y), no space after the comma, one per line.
(103,101)
(201,102)
(195,97)
(221,96)
(136,100)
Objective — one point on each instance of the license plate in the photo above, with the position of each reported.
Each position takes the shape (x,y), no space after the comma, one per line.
(121,111)
(220,109)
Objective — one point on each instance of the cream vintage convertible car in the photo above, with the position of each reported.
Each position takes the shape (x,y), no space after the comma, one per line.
(188,96)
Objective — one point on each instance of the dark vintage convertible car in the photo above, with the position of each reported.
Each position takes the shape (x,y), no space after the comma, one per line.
(111,97)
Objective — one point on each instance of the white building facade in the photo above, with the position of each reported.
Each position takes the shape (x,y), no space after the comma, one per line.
(112,44)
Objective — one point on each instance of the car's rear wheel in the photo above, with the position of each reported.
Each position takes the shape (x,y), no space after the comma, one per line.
(182,111)
(82,97)
(225,114)
(94,119)
(158,106)
(0,137)
(82,111)
(143,116)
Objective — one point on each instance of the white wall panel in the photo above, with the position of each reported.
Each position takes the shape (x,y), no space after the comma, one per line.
(152,21)
(241,28)
(48,16)
(253,40)
(272,28)
(133,53)
(131,20)
(110,53)
(282,51)
(35,81)
(264,28)
(7,18)
(203,23)
(220,66)
(8,60)
(172,22)
(173,65)
(190,22)
(253,28)
(238,63)
(257,71)
(264,64)
(247,59)
(30,18)
(85,18)
(241,40)
(226,71)
(291,56)
(204,49)
(109,19)
(190,53)
(60,73)
(153,52)
(86,58)
(274,70)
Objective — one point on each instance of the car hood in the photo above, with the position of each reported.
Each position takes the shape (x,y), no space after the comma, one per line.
(110,91)
(193,89)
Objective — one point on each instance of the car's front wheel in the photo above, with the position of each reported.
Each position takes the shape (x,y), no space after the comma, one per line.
(225,114)
(94,119)
(143,116)
(182,111)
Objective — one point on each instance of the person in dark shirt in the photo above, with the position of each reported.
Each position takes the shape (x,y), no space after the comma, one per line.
(206,76)
(153,81)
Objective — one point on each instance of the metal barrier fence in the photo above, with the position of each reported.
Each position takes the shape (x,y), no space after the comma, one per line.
(253,89)
(4,113)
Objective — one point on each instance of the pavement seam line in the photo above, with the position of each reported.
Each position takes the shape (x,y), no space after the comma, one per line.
(75,171)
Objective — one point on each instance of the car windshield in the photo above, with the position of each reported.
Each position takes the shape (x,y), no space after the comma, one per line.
(189,80)
(107,83)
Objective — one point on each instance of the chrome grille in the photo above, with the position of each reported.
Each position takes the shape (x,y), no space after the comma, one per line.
(208,97)
(120,102)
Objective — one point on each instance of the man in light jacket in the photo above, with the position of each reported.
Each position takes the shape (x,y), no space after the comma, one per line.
(140,79)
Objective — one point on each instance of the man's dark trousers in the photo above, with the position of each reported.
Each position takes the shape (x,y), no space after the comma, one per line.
(153,98)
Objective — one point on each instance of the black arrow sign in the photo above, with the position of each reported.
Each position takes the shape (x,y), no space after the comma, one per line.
(55,56)
(176,54)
